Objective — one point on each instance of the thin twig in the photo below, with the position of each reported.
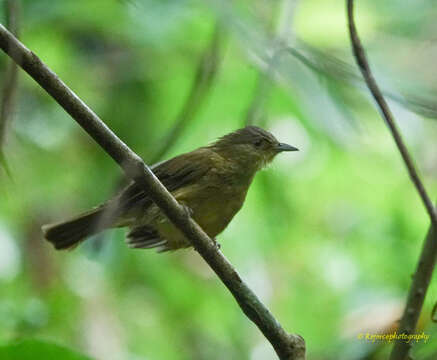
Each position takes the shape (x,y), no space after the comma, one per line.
(11,8)
(428,256)
(361,60)
(287,346)
(206,72)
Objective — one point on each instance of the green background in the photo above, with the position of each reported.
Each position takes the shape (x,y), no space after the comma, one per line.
(328,237)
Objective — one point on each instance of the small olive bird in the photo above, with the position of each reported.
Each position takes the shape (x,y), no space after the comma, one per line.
(210,182)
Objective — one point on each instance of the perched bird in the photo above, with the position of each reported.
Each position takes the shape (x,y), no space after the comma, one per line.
(211,182)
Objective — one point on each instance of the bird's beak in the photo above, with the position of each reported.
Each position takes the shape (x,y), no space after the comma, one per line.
(285,147)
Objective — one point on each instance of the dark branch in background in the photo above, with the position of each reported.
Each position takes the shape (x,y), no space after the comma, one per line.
(428,256)
(11,9)
(206,72)
(433,313)
(287,346)
(256,111)
(11,73)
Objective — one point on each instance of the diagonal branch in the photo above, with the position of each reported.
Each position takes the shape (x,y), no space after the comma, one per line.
(287,346)
(428,256)
(361,60)
(206,72)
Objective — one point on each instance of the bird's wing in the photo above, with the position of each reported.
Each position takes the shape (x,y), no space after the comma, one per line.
(175,173)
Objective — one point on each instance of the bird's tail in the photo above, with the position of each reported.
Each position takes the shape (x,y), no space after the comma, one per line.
(68,234)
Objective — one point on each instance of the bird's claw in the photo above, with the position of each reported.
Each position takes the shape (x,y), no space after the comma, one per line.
(216,244)
(187,210)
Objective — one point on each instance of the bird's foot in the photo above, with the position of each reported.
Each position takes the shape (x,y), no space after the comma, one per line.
(189,213)
(217,244)
(187,210)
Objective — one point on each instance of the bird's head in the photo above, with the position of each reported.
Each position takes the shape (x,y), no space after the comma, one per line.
(251,147)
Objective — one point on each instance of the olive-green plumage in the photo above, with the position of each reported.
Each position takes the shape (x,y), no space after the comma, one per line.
(212,182)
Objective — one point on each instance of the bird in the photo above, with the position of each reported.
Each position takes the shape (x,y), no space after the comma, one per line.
(210,182)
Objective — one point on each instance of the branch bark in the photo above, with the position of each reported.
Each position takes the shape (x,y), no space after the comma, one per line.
(428,256)
(287,346)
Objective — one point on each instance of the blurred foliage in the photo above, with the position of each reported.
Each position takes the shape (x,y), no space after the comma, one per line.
(328,237)
(35,349)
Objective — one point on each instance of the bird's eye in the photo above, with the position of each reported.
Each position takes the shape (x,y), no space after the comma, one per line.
(258,143)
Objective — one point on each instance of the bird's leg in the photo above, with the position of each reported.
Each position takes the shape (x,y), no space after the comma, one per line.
(216,243)
(189,213)
(187,210)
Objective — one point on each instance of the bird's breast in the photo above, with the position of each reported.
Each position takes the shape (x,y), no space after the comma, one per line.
(213,207)
(214,200)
